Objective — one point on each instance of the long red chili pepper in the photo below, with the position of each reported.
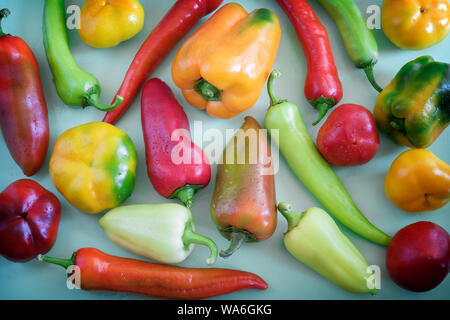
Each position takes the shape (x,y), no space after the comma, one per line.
(171,29)
(100,271)
(23,110)
(323,88)
(162,116)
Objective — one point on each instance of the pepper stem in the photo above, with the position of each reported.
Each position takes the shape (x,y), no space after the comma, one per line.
(186,194)
(369,73)
(273,98)
(3,14)
(293,218)
(65,263)
(237,239)
(322,104)
(207,90)
(190,237)
(93,99)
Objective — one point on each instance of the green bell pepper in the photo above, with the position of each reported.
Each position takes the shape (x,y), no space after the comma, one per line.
(162,232)
(75,86)
(414,109)
(314,239)
(313,170)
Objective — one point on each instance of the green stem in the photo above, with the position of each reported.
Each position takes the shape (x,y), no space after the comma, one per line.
(65,263)
(237,239)
(369,73)
(3,14)
(323,109)
(274,100)
(93,99)
(190,237)
(186,194)
(207,90)
(293,218)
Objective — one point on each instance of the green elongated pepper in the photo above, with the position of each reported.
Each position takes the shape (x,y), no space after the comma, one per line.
(359,41)
(314,239)
(414,109)
(312,169)
(162,232)
(75,86)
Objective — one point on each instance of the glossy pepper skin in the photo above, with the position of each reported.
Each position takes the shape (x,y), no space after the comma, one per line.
(29,220)
(180,19)
(105,24)
(162,232)
(323,88)
(94,166)
(176,166)
(359,41)
(418,181)
(75,86)
(244,204)
(100,271)
(415,24)
(314,239)
(223,66)
(414,109)
(313,170)
(23,109)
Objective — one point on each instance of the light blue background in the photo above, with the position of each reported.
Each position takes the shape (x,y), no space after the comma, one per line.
(287,278)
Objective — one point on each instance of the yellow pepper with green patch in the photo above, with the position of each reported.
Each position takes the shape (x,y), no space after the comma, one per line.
(94,166)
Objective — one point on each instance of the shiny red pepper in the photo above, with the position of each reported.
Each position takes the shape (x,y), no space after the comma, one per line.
(23,110)
(171,29)
(323,88)
(100,271)
(176,166)
(29,220)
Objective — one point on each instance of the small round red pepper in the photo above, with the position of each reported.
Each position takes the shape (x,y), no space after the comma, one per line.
(29,220)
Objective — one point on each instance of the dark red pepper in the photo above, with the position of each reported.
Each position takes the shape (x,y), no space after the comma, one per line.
(29,220)
(100,271)
(323,88)
(162,115)
(23,110)
(181,18)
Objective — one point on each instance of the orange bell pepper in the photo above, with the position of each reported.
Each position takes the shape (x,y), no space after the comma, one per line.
(223,66)
(418,181)
(415,24)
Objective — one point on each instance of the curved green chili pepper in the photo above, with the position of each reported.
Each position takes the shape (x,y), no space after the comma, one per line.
(313,170)
(75,86)
(359,41)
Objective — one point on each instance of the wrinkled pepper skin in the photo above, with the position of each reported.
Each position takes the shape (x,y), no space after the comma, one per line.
(313,170)
(361,46)
(74,86)
(314,239)
(176,166)
(415,24)
(23,109)
(162,232)
(223,66)
(29,220)
(414,109)
(244,204)
(101,271)
(105,24)
(418,181)
(94,166)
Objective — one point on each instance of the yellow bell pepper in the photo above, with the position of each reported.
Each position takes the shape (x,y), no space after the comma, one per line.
(415,24)
(106,23)
(222,67)
(418,181)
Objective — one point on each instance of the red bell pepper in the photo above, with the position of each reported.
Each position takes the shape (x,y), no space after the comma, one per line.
(161,116)
(23,110)
(171,29)
(29,220)
(323,88)
(100,271)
